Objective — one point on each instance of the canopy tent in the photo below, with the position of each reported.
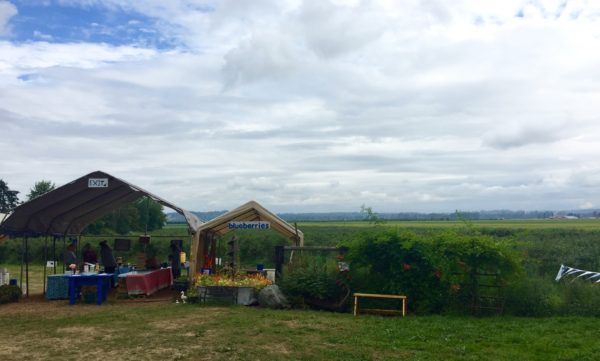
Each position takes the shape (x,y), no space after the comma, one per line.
(67,210)
(252,211)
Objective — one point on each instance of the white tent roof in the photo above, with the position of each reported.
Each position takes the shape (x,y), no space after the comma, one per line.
(251,211)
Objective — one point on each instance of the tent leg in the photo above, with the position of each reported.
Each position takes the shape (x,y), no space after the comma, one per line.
(27,266)
(64,248)
(213,252)
(22,261)
(54,253)
(45,262)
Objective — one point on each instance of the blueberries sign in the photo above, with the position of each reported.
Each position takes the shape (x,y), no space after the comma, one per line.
(250,225)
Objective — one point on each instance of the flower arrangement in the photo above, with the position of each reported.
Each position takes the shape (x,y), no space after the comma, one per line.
(255,281)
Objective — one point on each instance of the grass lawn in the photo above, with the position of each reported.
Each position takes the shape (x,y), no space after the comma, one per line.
(165,331)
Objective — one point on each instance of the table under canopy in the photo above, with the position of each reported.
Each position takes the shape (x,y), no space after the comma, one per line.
(147,282)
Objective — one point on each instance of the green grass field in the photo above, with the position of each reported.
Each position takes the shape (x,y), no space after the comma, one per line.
(124,330)
(191,332)
(584,224)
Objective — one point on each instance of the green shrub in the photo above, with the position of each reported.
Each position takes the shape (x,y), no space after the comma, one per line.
(9,294)
(533,296)
(537,296)
(303,283)
(435,271)
(580,298)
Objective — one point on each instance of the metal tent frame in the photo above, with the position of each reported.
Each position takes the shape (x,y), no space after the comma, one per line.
(67,210)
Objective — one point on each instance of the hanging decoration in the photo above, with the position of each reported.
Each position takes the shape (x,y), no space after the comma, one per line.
(579,273)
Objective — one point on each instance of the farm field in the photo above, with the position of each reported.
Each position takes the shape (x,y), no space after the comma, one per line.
(580,224)
(154,331)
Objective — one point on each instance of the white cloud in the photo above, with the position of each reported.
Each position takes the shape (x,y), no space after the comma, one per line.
(414,105)
(7,11)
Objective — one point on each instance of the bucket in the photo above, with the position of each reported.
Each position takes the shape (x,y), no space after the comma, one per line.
(270,274)
(13,282)
(260,267)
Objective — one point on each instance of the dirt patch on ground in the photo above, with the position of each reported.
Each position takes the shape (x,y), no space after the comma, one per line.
(79,331)
(276,349)
(38,305)
(189,319)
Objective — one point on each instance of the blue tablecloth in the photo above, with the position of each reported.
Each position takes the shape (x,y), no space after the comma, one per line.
(58,287)
(102,282)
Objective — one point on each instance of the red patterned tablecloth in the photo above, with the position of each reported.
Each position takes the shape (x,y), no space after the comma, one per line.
(148,282)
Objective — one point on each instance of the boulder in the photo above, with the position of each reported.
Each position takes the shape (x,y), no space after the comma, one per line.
(272,297)
(246,296)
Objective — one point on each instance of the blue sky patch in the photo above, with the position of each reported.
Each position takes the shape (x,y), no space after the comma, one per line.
(95,24)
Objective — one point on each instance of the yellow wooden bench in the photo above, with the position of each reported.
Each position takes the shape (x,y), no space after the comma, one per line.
(374,310)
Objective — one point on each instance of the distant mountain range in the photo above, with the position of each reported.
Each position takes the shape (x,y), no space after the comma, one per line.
(409,216)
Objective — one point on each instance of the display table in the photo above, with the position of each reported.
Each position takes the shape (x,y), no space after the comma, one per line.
(102,281)
(58,287)
(147,282)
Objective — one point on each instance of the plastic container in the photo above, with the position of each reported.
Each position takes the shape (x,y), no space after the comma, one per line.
(260,266)
(13,282)
(270,274)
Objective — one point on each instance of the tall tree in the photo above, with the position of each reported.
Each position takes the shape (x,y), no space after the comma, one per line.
(144,214)
(40,188)
(8,198)
(151,214)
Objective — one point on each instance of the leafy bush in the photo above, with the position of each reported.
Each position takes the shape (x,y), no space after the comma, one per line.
(580,298)
(9,294)
(434,270)
(533,296)
(299,284)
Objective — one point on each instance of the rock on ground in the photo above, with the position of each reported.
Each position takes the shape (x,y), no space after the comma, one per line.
(272,297)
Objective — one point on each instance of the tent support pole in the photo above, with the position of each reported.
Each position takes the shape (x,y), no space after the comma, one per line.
(22,261)
(45,261)
(64,249)
(27,266)
(54,253)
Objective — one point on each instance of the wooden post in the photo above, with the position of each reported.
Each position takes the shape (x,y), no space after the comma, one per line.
(279,259)
(213,253)
(194,255)
(355,305)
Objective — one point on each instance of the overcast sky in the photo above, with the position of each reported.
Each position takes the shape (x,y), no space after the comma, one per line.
(417,105)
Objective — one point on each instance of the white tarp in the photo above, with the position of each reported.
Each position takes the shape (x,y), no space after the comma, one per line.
(571,271)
